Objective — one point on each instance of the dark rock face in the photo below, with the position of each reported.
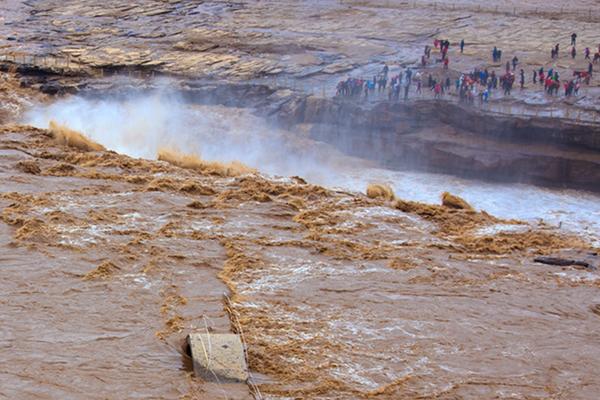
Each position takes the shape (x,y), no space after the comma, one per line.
(446,137)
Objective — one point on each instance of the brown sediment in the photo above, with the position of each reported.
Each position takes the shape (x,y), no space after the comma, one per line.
(450,221)
(534,241)
(293,201)
(380,191)
(29,167)
(459,223)
(61,169)
(172,325)
(254,188)
(197,189)
(194,162)
(452,201)
(197,205)
(34,230)
(66,136)
(401,264)
(104,271)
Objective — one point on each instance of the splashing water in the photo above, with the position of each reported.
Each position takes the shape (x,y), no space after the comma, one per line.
(141,125)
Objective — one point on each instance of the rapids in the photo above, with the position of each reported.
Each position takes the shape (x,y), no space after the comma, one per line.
(141,126)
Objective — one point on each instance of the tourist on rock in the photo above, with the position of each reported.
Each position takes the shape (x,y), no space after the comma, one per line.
(586,52)
(534,76)
(573,39)
(590,69)
(556,48)
(573,52)
(397,90)
(462,45)
(541,74)
(522,78)
(446,61)
(507,67)
(515,62)
(448,84)
(437,90)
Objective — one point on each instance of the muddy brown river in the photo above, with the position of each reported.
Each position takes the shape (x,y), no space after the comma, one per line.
(109,261)
(129,222)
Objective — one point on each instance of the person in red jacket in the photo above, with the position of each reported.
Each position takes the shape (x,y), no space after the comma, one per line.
(437,90)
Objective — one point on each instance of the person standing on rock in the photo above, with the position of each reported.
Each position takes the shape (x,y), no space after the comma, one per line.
(515,62)
(541,74)
(522,79)
(573,39)
(507,67)
(534,76)
(586,52)
(590,69)
(573,52)
(462,45)
(437,90)
(446,61)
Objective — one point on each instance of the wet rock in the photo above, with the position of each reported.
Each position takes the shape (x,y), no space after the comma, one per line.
(563,262)
(218,356)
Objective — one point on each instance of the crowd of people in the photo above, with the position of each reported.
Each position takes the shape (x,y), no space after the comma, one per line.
(477,84)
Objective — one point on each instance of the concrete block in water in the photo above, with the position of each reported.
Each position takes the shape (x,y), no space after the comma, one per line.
(221,355)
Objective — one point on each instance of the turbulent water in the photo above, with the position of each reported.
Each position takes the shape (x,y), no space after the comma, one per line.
(140,126)
(114,260)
